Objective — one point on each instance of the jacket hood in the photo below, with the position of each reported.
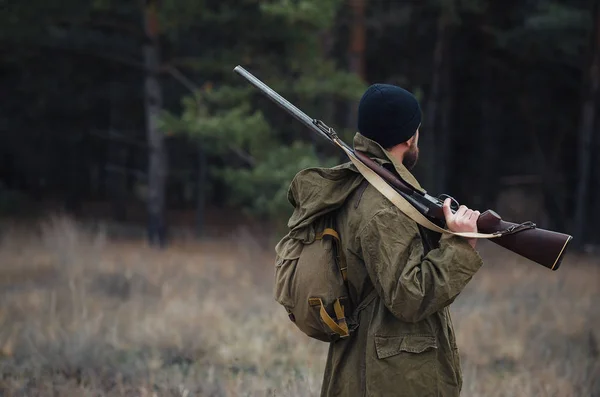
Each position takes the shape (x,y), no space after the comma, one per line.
(317,191)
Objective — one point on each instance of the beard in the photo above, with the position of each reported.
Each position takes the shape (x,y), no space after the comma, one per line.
(411,157)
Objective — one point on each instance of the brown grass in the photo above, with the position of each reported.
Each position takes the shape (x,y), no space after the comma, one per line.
(82,315)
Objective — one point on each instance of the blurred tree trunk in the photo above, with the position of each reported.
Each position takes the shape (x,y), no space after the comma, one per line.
(434,139)
(547,166)
(586,132)
(327,103)
(488,138)
(327,40)
(201,192)
(157,162)
(117,158)
(594,234)
(412,64)
(356,51)
(442,160)
(75,165)
(488,144)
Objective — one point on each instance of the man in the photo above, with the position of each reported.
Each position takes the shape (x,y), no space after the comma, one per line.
(404,344)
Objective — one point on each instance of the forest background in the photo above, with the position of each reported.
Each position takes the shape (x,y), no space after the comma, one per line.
(123,123)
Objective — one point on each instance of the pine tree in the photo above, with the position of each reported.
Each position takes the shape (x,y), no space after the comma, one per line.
(260,146)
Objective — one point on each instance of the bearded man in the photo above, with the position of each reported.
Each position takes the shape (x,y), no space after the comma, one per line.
(405,343)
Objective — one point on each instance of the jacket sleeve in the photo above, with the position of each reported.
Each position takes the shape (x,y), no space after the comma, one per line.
(413,286)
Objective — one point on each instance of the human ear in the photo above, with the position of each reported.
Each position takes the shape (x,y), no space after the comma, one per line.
(414,140)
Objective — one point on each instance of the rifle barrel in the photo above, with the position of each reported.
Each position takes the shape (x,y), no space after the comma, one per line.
(544,247)
(279,100)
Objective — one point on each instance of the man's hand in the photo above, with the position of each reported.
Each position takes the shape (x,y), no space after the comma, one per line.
(464,220)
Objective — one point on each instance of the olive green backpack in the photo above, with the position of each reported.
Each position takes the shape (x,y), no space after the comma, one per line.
(311,281)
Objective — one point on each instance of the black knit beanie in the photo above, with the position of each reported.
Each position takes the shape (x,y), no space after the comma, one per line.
(388,115)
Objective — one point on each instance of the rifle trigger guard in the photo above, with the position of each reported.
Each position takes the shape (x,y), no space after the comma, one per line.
(518,228)
(454,205)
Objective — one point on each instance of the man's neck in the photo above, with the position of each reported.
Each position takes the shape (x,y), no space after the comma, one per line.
(397,152)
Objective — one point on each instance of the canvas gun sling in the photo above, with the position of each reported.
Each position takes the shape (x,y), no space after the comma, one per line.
(403,205)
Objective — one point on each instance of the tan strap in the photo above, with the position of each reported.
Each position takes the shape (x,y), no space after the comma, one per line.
(380,184)
(328,232)
(342,328)
(339,313)
(343,266)
(341,257)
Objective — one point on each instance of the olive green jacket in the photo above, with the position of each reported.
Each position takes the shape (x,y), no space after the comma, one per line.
(404,344)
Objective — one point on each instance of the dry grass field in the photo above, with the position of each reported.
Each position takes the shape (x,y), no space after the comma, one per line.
(81,315)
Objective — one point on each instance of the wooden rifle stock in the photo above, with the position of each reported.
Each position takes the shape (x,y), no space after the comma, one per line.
(543,247)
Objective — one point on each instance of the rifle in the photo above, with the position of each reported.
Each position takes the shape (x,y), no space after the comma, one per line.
(544,247)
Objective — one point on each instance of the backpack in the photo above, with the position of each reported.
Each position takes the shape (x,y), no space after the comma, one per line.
(311,281)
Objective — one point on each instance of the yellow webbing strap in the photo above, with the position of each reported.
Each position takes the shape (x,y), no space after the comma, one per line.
(342,328)
(342,259)
(328,232)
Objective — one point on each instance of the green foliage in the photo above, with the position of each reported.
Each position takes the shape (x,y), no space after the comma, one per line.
(323,79)
(261,154)
(262,190)
(258,164)
(74,68)
(317,14)
(553,30)
(23,22)
(454,9)
(224,121)
(555,16)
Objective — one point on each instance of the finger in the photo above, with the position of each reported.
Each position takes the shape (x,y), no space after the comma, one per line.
(447,210)
(468,214)
(475,215)
(461,211)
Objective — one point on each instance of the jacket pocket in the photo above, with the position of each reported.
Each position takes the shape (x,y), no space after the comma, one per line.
(404,366)
(388,346)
